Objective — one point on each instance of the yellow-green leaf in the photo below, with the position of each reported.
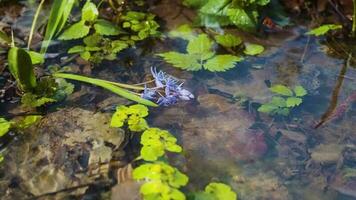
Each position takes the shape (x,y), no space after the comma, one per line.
(221,63)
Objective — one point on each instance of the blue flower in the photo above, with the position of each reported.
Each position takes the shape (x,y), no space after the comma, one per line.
(168,85)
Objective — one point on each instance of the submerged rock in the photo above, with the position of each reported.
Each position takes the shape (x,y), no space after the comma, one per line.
(66,150)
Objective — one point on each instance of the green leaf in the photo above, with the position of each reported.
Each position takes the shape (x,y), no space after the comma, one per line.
(59,14)
(200,45)
(300,91)
(221,63)
(85,55)
(77,49)
(282,90)
(241,19)
(293,101)
(77,30)
(93,40)
(253,49)
(104,84)
(221,191)
(27,121)
(228,40)
(184,31)
(33,101)
(322,30)
(118,45)
(4,39)
(182,61)
(4,126)
(267,108)
(278,101)
(104,27)
(89,12)
(20,66)
(36,58)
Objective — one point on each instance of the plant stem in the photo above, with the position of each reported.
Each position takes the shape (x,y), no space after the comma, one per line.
(34,23)
(354,20)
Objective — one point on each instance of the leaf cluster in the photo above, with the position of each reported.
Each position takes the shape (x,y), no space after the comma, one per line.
(200,55)
(162,181)
(284,100)
(216,13)
(323,29)
(216,191)
(6,126)
(107,39)
(133,116)
(155,142)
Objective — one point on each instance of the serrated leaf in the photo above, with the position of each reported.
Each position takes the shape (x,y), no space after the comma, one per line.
(77,30)
(4,126)
(267,108)
(293,101)
(33,101)
(221,191)
(89,12)
(228,40)
(118,45)
(282,90)
(27,121)
(322,30)
(221,63)
(104,27)
(180,60)
(253,49)
(300,91)
(278,101)
(92,40)
(200,45)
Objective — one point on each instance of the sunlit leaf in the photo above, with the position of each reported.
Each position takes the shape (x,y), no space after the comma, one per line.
(267,108)
(184,31)
(221,63)
(228,40)
(221,191)
(4,126)
(293,101)
(323,29)
(253,49)
(281,89)
(241,19)
(89,12)
(300,91)
(183,61)
(36,58)
(200,45)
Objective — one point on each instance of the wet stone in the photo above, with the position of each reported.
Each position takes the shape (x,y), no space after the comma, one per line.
(63,151)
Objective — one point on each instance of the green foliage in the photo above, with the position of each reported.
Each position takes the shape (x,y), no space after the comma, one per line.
(4,126)
(133,116)
(215,13)
(253,49)
(162,181)
(134,26)
(323,29)
(228,40)
(113,87)
(216,191)
(59,14)
(155,142)
(21,68)
(184,31)
(284,100)
(200,55)
(34,100)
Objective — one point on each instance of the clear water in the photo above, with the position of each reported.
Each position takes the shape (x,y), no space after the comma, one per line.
(226,139)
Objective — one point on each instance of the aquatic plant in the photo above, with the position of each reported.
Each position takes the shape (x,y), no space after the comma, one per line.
(200,55)
(323,29)
(241,13)
(160,179)
(284,100)
(6,126)
(135,26)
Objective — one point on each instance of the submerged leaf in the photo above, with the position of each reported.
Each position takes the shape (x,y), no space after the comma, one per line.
(104,27)
(281,89)
(184,31)
(221,191)
(293,101)
(221,63)
(253,49)
(228,40)
(300,91)
(182,61)
(323,29)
